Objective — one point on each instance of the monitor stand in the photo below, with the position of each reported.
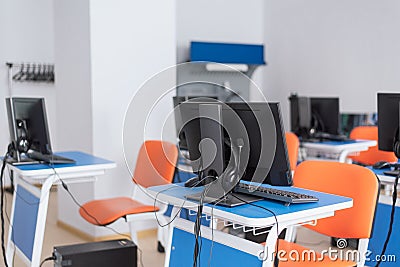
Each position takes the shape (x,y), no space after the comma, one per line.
(215,193)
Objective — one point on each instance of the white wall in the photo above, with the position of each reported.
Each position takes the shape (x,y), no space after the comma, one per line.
(74,98)
(137,43)
(106,51)
(27,35)
(342,48)
(234,21)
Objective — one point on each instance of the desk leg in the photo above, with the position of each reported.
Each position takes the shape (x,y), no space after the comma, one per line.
(10,250)
(270,244)
(41,221)
(40,201)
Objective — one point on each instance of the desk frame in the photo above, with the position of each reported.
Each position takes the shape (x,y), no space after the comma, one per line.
(343,150)
(47,177)
(284,221)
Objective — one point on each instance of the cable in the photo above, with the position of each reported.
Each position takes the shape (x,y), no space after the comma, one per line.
(155,212)
(9,221)
(2,196)
(394,198)
(51,258)
(65,186)
(276,260)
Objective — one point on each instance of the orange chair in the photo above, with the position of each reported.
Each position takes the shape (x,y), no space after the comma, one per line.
(373,154)
(293,143)
(155,165)
(349,180)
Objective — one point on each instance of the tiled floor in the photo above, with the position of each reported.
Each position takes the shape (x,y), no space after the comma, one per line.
(54,235)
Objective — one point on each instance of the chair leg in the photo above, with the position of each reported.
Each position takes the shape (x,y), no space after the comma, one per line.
(290,234)
(162,232)
(132,229)
(362,249)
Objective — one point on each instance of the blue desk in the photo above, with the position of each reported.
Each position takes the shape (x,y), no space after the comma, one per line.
(29,210)
(335,150)
(229,250)
(381,224)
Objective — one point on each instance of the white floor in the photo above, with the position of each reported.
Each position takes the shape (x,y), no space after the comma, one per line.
(55,236)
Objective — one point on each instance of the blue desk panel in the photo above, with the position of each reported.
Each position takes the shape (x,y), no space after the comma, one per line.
(379,232)
(250,211)
(82,159)
(25,218)
(212,253)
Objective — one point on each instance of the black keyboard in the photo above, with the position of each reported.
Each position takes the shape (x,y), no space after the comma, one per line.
(49,158)
(392,173)
(275,194)
(330,137)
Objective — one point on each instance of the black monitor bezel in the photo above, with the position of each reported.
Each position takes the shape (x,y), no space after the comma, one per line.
(38,104)
(388,120)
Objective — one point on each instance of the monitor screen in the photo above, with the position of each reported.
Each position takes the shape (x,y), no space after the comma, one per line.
(256,156)
(388,120)
(177,100)
(28,124)
(311,115)
(325,114)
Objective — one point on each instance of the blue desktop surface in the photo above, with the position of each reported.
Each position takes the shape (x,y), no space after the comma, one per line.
(81,158)
(249,211)
(335,143)
(380,171)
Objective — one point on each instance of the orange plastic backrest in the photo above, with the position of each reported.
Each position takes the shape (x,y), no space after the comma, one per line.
(373,154)
(156,163)
(354,181)
(293,144)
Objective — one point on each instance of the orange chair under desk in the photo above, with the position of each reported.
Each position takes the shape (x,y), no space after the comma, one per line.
(155,165)
(348,180)
(373,154)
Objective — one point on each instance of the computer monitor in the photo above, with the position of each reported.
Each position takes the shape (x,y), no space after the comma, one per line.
(29,132)
(388,120)
(28,124)
(177,100)
(325,113)
(258,162)
(310,116)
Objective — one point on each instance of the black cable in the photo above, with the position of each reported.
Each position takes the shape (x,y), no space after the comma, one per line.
(394,198)
(1,211)
(197,230)
(65,186)
(51,258)
(155,212)
(276,260)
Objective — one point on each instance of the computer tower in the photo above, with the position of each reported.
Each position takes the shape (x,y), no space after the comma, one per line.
(121,253)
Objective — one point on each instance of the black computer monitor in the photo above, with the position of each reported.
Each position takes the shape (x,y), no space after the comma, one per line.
(325,114)
(310,116)
(388,120)
(177,100)
(28,124)
(261,159)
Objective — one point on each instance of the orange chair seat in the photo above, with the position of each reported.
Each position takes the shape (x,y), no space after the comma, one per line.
(295,251)
(105,211)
